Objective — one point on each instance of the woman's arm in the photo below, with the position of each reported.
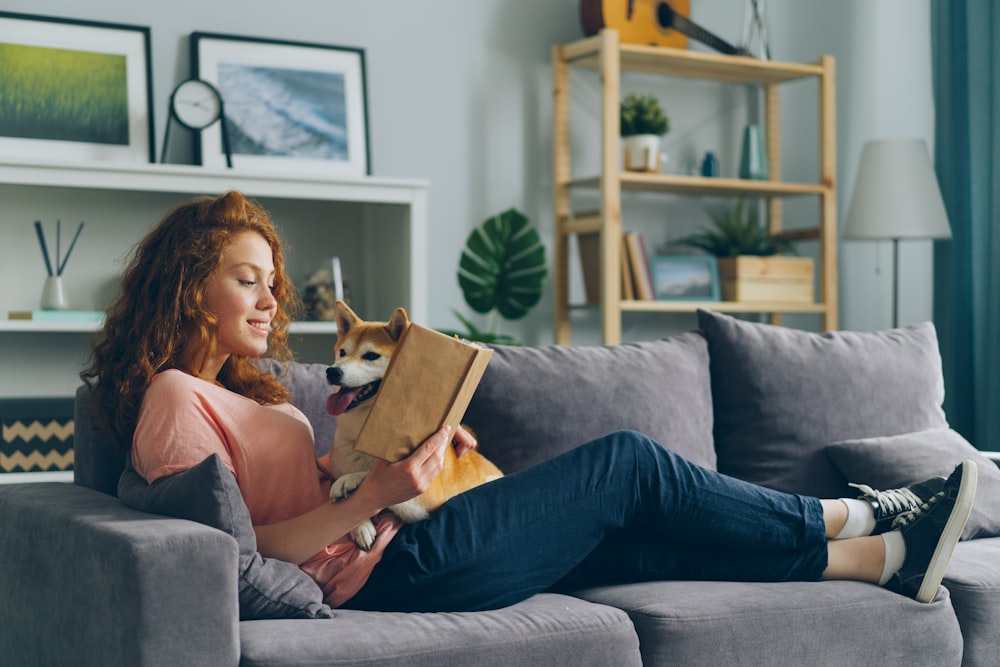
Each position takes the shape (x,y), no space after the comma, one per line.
(297,539)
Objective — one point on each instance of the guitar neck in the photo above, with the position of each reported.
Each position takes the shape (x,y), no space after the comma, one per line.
(695,31)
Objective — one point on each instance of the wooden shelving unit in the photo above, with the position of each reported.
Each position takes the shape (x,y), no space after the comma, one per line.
(612,59)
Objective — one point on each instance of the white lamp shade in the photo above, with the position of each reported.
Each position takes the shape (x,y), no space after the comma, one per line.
(896,195)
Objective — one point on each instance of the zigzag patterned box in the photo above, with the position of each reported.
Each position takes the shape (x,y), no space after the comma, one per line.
(36,435)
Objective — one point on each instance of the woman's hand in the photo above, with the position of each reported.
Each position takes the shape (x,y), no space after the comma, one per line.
(387,484)
(392,483)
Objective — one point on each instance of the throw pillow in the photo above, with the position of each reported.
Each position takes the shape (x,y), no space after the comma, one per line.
(895,461)
(781,395)
(208,494)
(536,402)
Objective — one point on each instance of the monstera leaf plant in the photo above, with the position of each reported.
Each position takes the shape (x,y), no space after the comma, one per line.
(502,272)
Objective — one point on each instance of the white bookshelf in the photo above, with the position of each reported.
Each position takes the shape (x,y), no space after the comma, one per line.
(377,226)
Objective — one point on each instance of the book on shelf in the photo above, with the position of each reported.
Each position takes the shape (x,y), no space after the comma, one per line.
(639,267)
(408,408)
(590,261)
(628,288)
(95,316)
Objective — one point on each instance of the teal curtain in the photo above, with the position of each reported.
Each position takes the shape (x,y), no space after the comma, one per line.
(966,70)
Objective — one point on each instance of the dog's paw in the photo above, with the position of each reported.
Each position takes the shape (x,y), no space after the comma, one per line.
(410,511)
(363,534)
(344,485)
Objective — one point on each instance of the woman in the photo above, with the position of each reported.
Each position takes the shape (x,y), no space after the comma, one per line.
(206,294)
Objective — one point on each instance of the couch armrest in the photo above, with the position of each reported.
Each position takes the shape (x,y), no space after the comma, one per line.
(993,456)
(87,580)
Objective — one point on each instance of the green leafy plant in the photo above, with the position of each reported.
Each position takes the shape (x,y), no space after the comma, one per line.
(502,270)
(735,232)
(642,114)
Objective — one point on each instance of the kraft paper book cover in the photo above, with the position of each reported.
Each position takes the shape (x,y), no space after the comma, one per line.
(429,383)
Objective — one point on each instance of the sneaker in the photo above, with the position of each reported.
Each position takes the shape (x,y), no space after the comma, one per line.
(931,532)
(887,505)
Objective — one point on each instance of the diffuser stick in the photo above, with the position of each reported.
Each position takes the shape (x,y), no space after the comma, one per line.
(45,249)
(69,250)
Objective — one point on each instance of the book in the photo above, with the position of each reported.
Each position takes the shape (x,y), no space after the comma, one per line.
(628,291)
(590,262)
(95,316)
(643,280)
(429,382)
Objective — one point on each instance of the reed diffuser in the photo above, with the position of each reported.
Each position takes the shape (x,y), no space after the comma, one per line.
(53,293)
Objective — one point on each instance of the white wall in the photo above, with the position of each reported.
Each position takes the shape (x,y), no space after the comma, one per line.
(460,93)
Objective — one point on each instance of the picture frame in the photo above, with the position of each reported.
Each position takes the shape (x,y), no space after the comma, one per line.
(685,277)
(105,116)
(289,106)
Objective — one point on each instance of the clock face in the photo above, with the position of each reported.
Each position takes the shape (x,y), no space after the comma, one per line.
(196,104)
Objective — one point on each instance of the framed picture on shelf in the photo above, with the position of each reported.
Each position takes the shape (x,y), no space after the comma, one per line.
(290,106)
(685,278)
(74,90)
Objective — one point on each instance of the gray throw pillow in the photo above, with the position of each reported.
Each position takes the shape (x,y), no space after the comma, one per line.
(536,402)
(781,395)
(895,461)
(208,494)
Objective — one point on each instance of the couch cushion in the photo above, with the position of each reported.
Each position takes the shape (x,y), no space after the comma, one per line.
(781,395)
(894,461)
(536,402)
(973,579)
(546,630)
(812,623)
(208,494)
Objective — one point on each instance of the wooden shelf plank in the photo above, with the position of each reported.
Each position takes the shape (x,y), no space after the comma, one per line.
(698,185)
(687,64)
(723,306)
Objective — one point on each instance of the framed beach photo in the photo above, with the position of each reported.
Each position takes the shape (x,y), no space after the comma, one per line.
(685,278)
(289,106)
(74,90)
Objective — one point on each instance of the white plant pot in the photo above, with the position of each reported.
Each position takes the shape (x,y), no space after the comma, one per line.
(642,152)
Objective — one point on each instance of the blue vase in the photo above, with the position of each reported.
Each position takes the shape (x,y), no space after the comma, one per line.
(753,158)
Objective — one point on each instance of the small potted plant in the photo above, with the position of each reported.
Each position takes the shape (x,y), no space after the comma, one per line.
(752,261)
(643,123)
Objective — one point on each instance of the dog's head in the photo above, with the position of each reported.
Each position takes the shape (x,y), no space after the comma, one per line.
(361,356)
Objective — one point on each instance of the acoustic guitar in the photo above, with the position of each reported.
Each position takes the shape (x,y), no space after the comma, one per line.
(652,22)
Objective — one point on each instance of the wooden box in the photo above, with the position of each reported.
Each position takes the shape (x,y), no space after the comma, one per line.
(775,278)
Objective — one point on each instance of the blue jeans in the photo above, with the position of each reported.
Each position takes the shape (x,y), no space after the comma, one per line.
(619,509)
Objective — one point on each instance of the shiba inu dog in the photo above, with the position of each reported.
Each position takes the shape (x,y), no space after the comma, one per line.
(361,357)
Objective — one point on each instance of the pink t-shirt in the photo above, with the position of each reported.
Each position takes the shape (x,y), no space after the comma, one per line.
(269,449)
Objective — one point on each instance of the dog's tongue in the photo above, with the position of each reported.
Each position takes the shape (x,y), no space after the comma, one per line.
(337,403)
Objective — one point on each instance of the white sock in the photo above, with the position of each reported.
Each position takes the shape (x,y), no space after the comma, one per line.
(895,554)
(860,519)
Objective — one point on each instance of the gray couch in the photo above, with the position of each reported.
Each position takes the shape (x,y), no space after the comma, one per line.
(87,580)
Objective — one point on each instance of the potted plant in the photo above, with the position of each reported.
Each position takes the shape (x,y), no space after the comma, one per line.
(643,123)
(753,265)
(502,270)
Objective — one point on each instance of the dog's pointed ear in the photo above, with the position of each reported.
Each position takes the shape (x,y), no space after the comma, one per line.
(397,323)
(344,317)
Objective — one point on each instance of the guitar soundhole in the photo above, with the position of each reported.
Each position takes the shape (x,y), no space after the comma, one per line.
(664,15)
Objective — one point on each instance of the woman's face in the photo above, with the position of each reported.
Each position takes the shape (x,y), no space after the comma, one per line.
(239,295)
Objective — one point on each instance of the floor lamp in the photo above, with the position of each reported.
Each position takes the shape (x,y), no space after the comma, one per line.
(896,196)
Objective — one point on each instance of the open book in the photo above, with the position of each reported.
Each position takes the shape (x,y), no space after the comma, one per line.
(429,383)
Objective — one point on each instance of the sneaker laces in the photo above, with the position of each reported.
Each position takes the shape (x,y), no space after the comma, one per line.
(906,518)
(893,500)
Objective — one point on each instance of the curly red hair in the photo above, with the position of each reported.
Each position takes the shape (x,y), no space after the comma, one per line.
(159,315)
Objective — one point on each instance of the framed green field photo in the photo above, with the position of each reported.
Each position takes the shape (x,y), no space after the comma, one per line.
(74,90)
